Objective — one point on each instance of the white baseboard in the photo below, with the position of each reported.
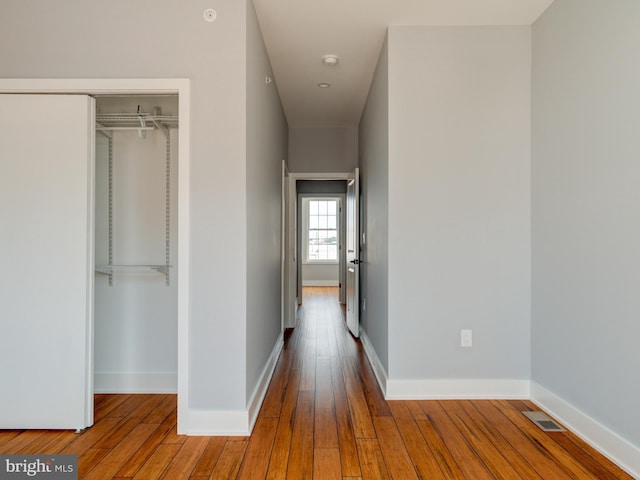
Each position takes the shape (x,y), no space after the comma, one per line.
(320,283)
(374,361)
(611,445)
(263,384)
(441,389)
(217,423)
(234,422)
(135,383)
(463,389)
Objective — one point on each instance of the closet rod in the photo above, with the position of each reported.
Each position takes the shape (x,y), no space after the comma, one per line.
(124,128)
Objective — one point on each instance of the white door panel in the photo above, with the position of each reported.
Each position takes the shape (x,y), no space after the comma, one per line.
(353,255)
(46,256)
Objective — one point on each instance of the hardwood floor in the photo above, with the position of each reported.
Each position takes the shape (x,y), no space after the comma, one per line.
(324,417)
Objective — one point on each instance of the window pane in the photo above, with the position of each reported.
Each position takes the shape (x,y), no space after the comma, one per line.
(312,248)
(322,230)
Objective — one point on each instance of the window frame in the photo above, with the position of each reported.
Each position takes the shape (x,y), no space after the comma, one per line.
(305,229)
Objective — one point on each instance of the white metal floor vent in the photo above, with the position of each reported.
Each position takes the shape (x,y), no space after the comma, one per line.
(543,421)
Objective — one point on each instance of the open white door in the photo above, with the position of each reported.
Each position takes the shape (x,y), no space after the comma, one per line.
(284,266)
(46,256)
(353,255)
(291,266)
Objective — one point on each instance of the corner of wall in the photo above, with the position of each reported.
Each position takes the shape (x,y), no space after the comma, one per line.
(232,422)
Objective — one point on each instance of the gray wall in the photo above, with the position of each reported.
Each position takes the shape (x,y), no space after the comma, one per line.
(374,221)
(458,228)
(459,207)
(323,149)
(586,230)
(320,275)
(266,148)
(81,39)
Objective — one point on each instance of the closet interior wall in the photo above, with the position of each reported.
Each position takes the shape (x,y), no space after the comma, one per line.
(136,310)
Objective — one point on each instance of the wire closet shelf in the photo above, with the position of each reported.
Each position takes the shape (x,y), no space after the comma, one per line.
(106,123)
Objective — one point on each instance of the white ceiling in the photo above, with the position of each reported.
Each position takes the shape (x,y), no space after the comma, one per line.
(298,33)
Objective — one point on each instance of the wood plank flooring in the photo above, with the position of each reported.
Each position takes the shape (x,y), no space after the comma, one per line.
(323,418)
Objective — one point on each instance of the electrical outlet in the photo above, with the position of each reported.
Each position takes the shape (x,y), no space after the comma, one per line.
(466,338)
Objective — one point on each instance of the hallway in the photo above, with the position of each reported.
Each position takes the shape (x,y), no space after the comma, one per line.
(323,417)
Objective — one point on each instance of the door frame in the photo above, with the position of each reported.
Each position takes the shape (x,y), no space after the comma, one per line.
(181,87)
(293,256)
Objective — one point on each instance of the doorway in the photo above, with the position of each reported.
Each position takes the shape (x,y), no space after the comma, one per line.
(320,236)
(304,187)
(179,87)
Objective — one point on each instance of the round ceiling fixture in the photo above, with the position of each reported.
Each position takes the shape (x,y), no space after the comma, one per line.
(330,60)
(324,85)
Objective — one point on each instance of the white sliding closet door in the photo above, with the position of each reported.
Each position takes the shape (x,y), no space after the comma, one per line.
(46,261)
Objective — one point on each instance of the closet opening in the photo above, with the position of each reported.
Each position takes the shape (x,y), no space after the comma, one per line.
(63,211)
(136,244)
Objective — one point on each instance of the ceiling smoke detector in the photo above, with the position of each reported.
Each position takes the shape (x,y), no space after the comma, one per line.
(210,15)
(324,85)
(330,60)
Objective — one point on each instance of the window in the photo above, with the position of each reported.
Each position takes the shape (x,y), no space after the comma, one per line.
(322,230)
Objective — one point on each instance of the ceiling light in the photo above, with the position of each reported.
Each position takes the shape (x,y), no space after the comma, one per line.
(324,85)
(330,60)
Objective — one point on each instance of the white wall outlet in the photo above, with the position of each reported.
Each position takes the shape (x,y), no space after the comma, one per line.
(466,338)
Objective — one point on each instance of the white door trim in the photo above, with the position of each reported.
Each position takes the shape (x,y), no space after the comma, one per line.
(145,86)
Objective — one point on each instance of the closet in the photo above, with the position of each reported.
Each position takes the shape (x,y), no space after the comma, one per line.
(89,213)
(135,301)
